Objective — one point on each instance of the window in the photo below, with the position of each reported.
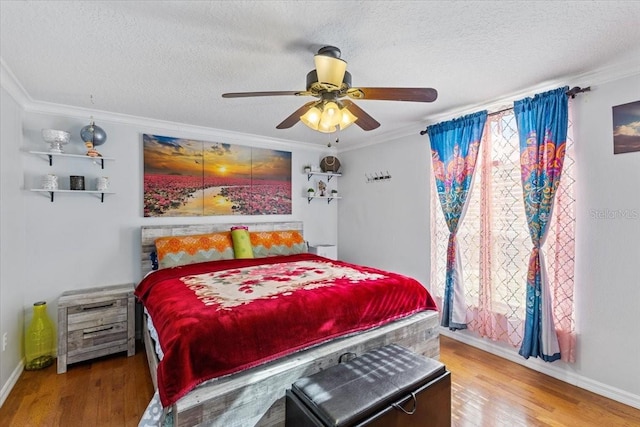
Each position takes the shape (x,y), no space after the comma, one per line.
(495,244)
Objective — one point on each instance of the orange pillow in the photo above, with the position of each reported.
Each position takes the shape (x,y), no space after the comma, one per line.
(272,243)
(182,250)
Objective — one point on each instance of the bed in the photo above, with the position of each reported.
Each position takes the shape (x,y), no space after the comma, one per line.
(245,384)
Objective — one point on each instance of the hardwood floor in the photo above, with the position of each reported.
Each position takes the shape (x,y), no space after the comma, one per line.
(110,391)
(486,391)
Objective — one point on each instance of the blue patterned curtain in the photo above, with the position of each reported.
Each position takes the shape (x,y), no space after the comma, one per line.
(454,150)
(542,128)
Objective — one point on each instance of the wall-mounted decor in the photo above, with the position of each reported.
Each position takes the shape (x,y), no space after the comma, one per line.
(185,177)
(377,177)
(330,164)
(626,128)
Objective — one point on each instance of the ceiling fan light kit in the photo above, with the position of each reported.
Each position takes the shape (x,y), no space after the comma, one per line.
(329,82)
(330,70)
(347,118)
(328,116)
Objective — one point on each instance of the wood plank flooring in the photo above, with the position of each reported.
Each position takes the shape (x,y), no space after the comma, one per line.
(486,391)
(110,391)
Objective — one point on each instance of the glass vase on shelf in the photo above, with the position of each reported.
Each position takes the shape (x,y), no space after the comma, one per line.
(39,340)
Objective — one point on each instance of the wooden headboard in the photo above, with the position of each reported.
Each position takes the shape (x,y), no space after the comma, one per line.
(152,232)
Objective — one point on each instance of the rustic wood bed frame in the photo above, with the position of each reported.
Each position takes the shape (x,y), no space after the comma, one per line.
(255,397)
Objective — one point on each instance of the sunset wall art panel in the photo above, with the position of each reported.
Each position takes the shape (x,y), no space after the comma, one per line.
(185,177)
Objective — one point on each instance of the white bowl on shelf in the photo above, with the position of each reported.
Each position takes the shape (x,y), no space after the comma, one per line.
(56,139)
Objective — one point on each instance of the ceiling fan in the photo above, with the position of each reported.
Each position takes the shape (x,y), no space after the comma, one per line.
(330,82)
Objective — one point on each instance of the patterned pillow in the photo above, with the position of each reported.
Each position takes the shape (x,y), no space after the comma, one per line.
(182,250)
(153,256)
(272,243)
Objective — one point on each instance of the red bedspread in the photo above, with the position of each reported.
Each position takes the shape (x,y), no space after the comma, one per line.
(220,317)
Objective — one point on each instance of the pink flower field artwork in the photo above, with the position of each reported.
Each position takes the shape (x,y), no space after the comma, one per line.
(184,177)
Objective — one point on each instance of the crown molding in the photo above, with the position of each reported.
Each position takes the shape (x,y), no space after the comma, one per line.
(602,75)
(163,125)
(618,71)
(10,83)
(20,95)
(405,132)
(588,79)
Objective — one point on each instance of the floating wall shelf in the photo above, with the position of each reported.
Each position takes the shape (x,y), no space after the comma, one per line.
(47,155)
(52,192)
(329,175)
(50,156)
(327,198)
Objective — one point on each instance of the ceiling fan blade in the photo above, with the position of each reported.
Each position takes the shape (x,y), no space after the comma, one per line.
(365,121)
(416,94)
(295,117)
(249,94)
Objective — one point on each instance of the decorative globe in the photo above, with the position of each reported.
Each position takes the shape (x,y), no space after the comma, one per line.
(93,133)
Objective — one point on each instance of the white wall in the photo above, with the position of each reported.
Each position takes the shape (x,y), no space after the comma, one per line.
(12,246)
(387,224)
(607,250)
(77,241)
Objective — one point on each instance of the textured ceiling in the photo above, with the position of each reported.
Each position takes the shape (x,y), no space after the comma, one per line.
(173,60)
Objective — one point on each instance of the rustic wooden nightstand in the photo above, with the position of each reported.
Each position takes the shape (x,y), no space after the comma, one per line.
(95,322)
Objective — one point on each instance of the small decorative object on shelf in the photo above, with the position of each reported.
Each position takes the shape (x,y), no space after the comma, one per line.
(321,188)
(330,164)
(39,349)
(102,183)
(334,193)
(93,135)
(50,182)
(76,182)
(56,139)
(307,168)
(311,192)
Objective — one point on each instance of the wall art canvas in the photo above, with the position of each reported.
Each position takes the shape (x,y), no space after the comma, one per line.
(185,177)
(626,128)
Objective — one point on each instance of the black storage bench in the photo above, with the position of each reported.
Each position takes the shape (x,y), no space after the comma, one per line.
(387,386)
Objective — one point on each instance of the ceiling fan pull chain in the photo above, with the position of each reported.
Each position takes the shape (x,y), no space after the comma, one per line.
(329,145)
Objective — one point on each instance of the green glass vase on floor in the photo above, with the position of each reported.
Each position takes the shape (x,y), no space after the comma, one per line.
(39,340)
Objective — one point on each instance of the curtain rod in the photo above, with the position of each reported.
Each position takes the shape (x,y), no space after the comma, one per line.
(570,93)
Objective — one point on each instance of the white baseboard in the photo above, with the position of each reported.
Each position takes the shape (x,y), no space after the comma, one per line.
(13,379)
(567,374)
